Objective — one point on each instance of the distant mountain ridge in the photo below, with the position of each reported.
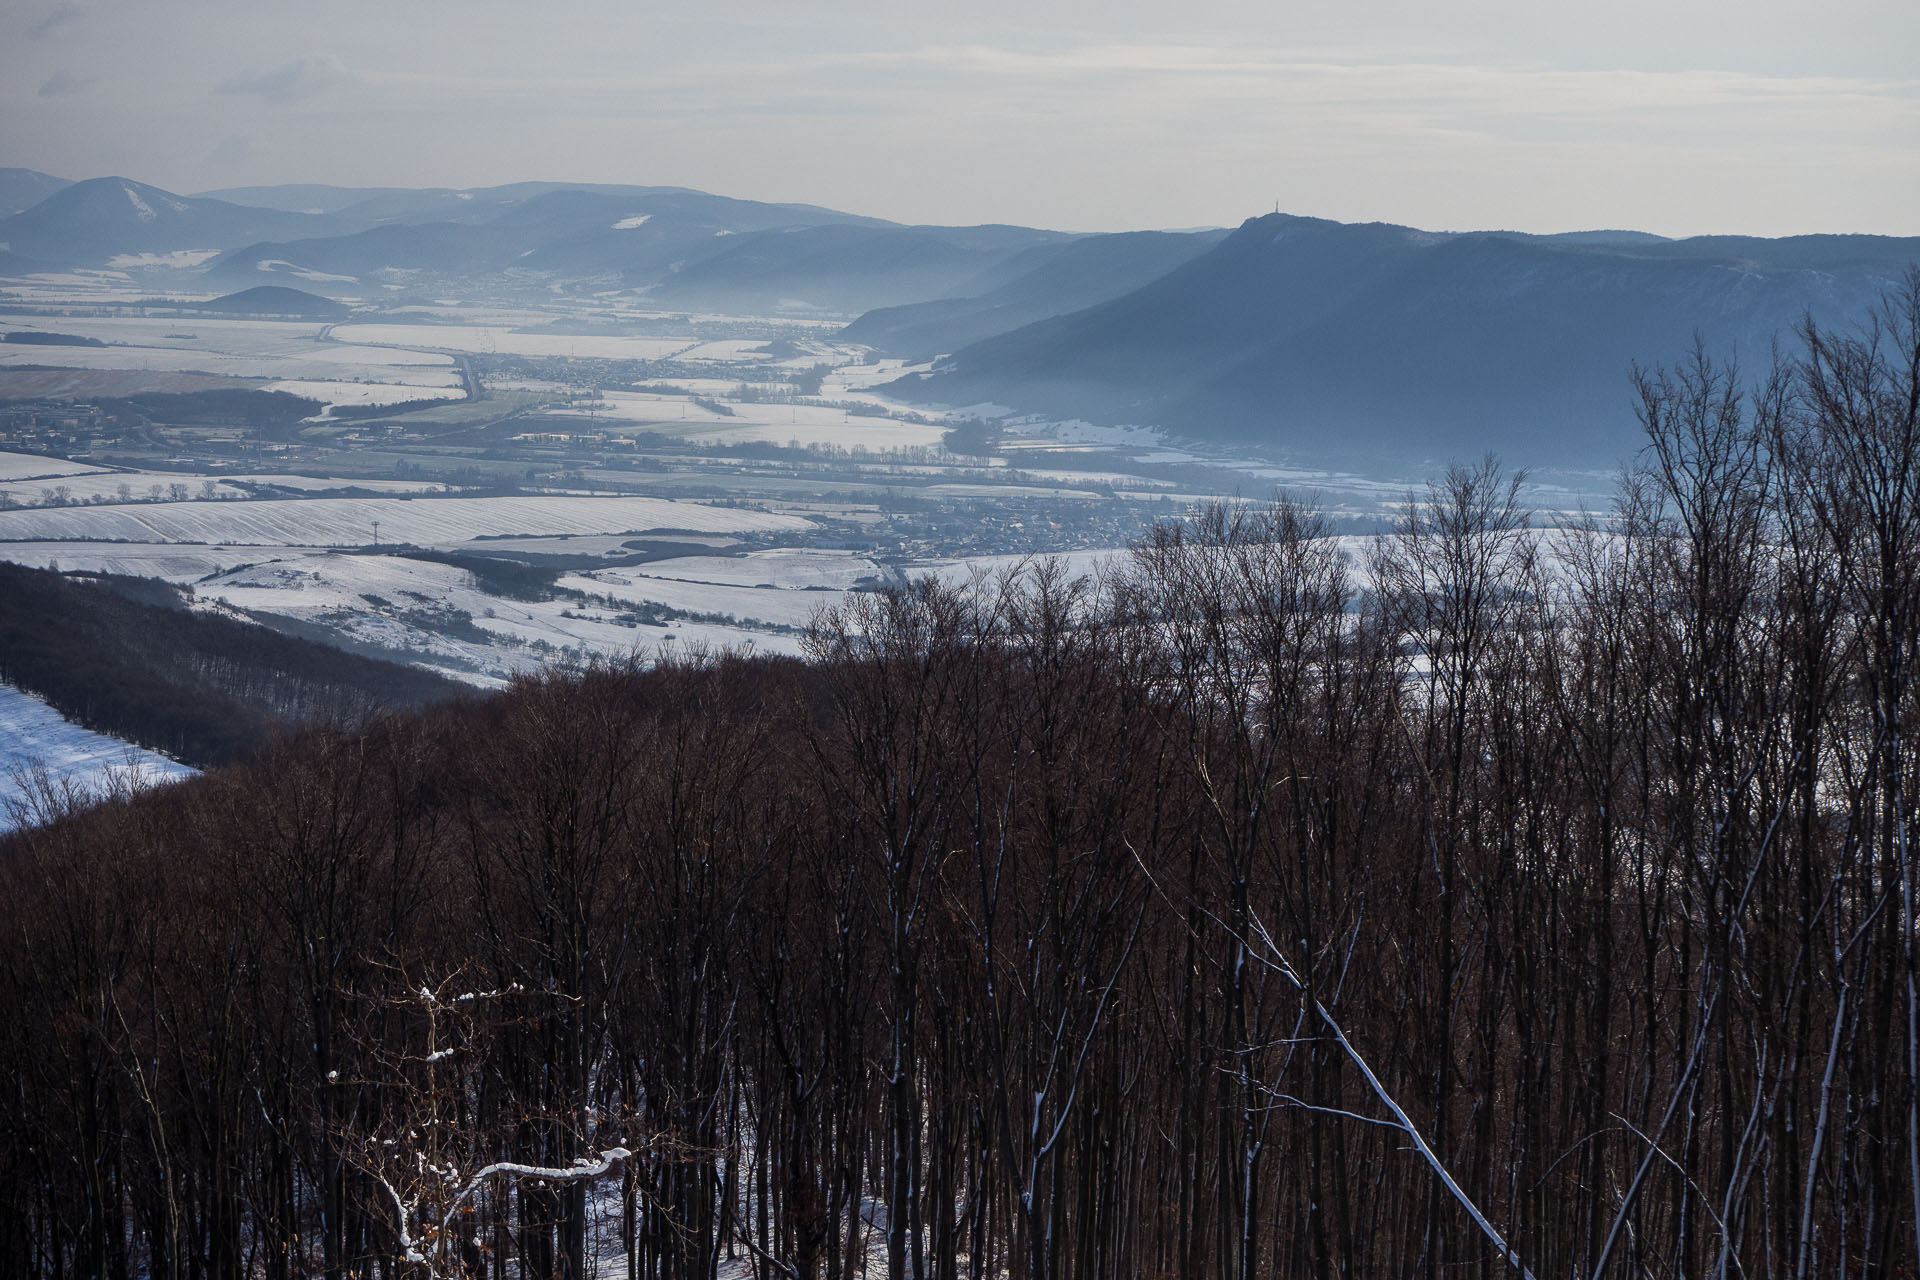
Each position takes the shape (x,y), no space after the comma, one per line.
(696,250)
(1044,281)
(1353,343)
(841,268)
(1322,340)
(92,222)
(24,188)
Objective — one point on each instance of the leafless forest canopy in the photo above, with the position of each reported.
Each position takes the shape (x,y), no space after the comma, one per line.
(1493,900)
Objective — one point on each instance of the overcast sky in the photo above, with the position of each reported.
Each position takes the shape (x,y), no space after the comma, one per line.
(1755,116)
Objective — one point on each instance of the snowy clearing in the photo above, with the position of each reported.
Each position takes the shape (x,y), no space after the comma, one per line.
(280,266)
(33,733)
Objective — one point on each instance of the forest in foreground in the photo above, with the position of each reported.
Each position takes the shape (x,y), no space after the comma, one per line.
(1482,900)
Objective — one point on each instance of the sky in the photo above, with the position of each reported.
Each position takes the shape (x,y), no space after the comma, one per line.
(1756,117)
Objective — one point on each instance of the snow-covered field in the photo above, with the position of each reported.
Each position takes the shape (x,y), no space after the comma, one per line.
(84,285)
(505,341)
(850,381)
(176,260)
(349,521)
(30,466)
(32,734)
(807,427)
(280,266)
(781,587)
(363,392)
(727,350)
(965,490)
(320,484)
(650,408)
(1091,563)
(171,561)
(794,568)
(772,605)
(437,615)
(656,387)
(105,486)
(320,364)
(799,424)
(270,349)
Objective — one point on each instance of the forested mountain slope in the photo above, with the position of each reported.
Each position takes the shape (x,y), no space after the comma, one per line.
(125,657)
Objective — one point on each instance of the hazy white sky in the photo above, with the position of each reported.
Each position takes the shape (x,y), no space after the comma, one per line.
(1754,116)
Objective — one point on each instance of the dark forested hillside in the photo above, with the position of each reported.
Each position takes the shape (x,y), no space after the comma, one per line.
(124,657)
(275,300)
(1473,901)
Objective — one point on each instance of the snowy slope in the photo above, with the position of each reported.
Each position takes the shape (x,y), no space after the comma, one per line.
(34,734)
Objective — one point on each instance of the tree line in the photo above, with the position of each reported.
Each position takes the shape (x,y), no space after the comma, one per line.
(1476,899)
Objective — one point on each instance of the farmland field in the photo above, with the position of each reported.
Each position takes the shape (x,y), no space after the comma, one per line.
(772,605)
(506,340)
(698,481)
(30,466)
(349,521)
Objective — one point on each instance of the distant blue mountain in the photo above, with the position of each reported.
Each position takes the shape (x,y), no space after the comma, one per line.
(24,188)
(1043,281)
(1351,343)
(687,249)
(841,268)
(90,222)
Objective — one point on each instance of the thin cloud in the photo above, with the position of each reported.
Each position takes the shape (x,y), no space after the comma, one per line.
(301,78)
(60,16)
(1338,84)
(62,83)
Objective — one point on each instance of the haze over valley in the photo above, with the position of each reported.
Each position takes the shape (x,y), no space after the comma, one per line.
(694,419)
